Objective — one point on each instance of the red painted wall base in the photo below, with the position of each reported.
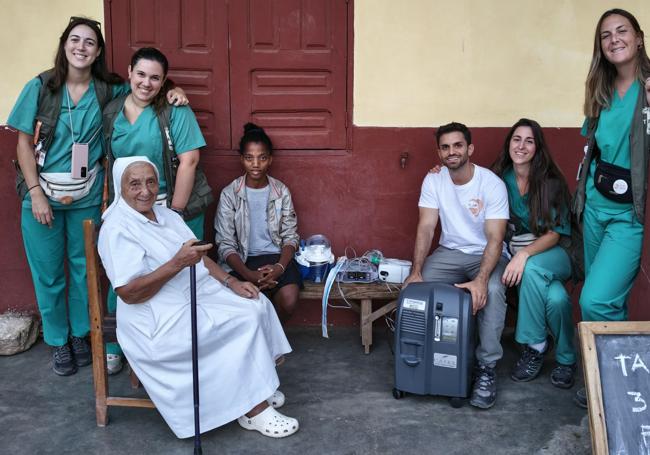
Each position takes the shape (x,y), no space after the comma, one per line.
(362,199)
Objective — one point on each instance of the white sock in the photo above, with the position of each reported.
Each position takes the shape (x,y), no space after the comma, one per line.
(539,347)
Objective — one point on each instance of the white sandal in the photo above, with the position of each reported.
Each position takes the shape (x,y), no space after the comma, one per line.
(276,400)
(113,363)
(270,423)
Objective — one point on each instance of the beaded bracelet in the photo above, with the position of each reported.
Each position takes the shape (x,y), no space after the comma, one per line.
(283,269)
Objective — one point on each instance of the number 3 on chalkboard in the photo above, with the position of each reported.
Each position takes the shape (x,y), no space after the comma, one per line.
(638,399)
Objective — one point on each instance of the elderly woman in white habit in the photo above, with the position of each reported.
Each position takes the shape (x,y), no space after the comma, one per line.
(146,250)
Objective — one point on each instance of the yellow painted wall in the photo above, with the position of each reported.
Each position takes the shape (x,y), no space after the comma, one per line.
(416,62)
(481,62)
(29,35)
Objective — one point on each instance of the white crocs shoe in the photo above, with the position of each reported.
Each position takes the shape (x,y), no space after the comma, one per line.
(276,400)
(114,363)
(270,423)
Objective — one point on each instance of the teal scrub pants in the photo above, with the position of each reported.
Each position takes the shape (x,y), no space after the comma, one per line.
(48,250)
(544,302)
(613,245)
(196,225)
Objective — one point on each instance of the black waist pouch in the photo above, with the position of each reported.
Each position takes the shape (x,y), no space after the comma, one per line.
(613,182)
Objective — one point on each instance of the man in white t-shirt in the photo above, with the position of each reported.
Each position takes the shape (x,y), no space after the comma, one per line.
(472,205)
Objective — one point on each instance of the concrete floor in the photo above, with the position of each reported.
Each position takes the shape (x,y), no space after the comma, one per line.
(342,398)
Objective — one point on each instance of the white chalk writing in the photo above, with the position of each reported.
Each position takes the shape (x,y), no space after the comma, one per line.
(638,399)
(638,363)
(645,435)
(622,358)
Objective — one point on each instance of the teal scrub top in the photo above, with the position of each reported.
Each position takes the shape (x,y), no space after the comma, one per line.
(519,207)
(613,139)
(144,138)
(86,123)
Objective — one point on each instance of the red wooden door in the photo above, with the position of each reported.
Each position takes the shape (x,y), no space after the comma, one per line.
(193,34)
(288,70)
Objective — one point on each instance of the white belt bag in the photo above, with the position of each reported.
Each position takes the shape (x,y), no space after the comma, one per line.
(61,187)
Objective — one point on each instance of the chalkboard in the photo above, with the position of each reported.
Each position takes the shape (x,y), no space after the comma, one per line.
(616,359)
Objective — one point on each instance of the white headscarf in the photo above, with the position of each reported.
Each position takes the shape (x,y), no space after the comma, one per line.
(119,166)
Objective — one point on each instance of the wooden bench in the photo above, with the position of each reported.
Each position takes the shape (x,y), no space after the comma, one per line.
(360,297)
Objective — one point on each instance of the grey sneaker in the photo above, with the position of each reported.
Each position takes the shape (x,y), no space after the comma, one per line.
(580,398)
(484,394)
(81,351)
(528,366)
(562,376)
(63,364)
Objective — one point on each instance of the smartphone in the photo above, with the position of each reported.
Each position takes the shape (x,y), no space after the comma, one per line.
(201,243)
(79,161)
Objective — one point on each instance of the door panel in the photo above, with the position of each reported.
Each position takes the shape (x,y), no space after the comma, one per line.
(288,70)
(193,34)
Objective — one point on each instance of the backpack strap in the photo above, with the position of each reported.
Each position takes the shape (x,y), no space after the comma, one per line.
(112,109)
(49,109)
(170,159)
(103,92)
(201,194)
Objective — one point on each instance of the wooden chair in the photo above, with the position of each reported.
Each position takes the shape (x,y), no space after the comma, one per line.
(102,330)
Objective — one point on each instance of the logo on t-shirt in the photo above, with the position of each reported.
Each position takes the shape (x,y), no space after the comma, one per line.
(475,206)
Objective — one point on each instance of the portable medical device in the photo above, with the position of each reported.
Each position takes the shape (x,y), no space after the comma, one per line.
(315,258)
(359,270)
(434,342)
(394,270)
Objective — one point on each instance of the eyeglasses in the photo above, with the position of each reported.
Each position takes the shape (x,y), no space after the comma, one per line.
(85,19)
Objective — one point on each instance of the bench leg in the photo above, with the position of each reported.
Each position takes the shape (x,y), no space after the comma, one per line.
(366,324)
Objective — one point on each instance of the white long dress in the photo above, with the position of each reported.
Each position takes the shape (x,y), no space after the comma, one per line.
(239,339)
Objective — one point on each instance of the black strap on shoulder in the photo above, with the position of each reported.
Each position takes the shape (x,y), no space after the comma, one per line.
(170,159)
(103,92)
(109,115)
(49,108)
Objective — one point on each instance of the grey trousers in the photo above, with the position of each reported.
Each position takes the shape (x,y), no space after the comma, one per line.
(454,267)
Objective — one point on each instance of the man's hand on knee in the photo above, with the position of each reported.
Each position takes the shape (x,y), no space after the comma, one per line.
(414,277)
(478,288)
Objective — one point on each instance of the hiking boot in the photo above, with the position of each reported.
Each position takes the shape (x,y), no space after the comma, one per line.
(562,376)
(580,398)
(63,363)
(528,366)
(81,351)
(484,393)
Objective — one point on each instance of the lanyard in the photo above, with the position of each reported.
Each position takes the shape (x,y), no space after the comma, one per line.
(67,96)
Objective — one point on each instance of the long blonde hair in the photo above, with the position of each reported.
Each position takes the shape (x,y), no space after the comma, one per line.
(599,86)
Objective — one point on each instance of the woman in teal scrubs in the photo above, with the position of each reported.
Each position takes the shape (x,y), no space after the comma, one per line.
(617,91)
(51,226)
(539,214)
(136,132)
